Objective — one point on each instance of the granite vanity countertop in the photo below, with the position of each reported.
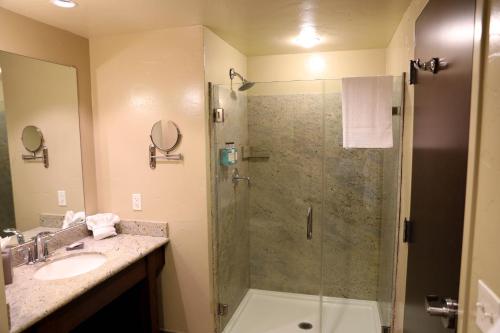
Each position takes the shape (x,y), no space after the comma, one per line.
(31,300)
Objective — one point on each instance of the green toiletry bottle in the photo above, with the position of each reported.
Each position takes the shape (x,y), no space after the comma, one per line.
(229,154)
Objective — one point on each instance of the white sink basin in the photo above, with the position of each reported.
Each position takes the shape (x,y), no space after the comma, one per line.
(70,266)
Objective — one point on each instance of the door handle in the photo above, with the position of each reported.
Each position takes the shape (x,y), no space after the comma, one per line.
(446,308)
(309,224)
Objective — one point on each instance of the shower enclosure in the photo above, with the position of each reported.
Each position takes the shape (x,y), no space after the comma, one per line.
(308,241)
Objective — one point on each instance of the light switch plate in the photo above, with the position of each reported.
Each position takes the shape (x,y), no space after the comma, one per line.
(136,201)
(61,198)
(487,307)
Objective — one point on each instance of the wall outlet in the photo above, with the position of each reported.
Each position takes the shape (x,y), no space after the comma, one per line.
(61,198)
(136,201)
(487,307)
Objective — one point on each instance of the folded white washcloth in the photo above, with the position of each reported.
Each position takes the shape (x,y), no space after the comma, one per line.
(71,218)
(102,225)
(103,231)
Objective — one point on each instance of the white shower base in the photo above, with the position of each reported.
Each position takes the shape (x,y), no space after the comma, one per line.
(263,311)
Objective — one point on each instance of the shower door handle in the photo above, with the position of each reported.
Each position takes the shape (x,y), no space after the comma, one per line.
(309,223)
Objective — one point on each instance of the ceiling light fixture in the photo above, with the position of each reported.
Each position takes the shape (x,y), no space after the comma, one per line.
(307,38)
(64,3)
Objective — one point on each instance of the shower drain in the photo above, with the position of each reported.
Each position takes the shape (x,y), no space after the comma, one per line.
(305,326)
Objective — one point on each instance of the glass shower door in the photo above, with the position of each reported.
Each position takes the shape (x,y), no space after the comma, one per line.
(361,200)
(268,231)
(230,201)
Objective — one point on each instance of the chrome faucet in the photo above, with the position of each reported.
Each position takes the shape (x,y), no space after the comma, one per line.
(237,178)
(40,247)
(19,236)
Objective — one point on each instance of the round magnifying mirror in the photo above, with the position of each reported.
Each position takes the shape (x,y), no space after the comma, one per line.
(32,138)
(165,135)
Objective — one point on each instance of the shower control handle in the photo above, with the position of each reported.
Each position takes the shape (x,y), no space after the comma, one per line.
(309,223)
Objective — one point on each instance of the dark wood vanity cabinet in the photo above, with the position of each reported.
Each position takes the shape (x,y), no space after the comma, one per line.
(125,302)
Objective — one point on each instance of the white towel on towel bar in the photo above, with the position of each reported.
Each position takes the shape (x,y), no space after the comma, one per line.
(367,112)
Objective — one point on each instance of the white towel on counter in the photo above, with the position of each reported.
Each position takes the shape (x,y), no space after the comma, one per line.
(71,218)
(103,225)
(367,112)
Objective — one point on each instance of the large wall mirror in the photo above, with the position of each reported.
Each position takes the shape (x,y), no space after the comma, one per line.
(39,122)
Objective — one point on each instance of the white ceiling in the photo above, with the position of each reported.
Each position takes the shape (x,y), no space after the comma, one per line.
(255,27)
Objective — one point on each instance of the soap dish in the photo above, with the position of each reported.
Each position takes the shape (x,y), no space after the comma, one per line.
(75,246)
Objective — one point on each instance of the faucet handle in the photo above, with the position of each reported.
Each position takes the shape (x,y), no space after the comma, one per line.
(45,248)
(31,256)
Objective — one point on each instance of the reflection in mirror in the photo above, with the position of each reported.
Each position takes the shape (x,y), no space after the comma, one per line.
(165,135)
(32,139)
(36,94)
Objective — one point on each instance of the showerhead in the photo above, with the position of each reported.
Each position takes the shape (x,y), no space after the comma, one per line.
(245,84)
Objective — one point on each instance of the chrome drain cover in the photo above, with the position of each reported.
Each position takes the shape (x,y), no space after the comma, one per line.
(305,326)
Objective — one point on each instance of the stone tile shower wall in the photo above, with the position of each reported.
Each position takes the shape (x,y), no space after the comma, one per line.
(288,129)
(302,133)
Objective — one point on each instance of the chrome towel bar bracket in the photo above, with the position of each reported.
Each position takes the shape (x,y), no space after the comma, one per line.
(34,157)
(166,157)
(434,65)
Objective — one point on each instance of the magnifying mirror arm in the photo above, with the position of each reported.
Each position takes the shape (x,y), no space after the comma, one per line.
(34,157)
(165,156)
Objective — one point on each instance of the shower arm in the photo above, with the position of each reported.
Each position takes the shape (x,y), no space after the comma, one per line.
(233,73)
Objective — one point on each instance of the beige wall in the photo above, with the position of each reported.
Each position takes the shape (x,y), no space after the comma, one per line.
(45,95)
(321,65)
(138,79)
(27,37)
(310,66)
(481,262)
(220,57)
(398,54)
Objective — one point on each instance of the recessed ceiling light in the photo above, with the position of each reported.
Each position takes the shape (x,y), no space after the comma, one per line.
(64,3)
(307,38)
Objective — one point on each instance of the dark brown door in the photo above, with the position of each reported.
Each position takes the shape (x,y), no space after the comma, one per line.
(440,142)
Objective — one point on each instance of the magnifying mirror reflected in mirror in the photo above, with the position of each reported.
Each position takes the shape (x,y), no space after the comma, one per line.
(165,135)
(32,139)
